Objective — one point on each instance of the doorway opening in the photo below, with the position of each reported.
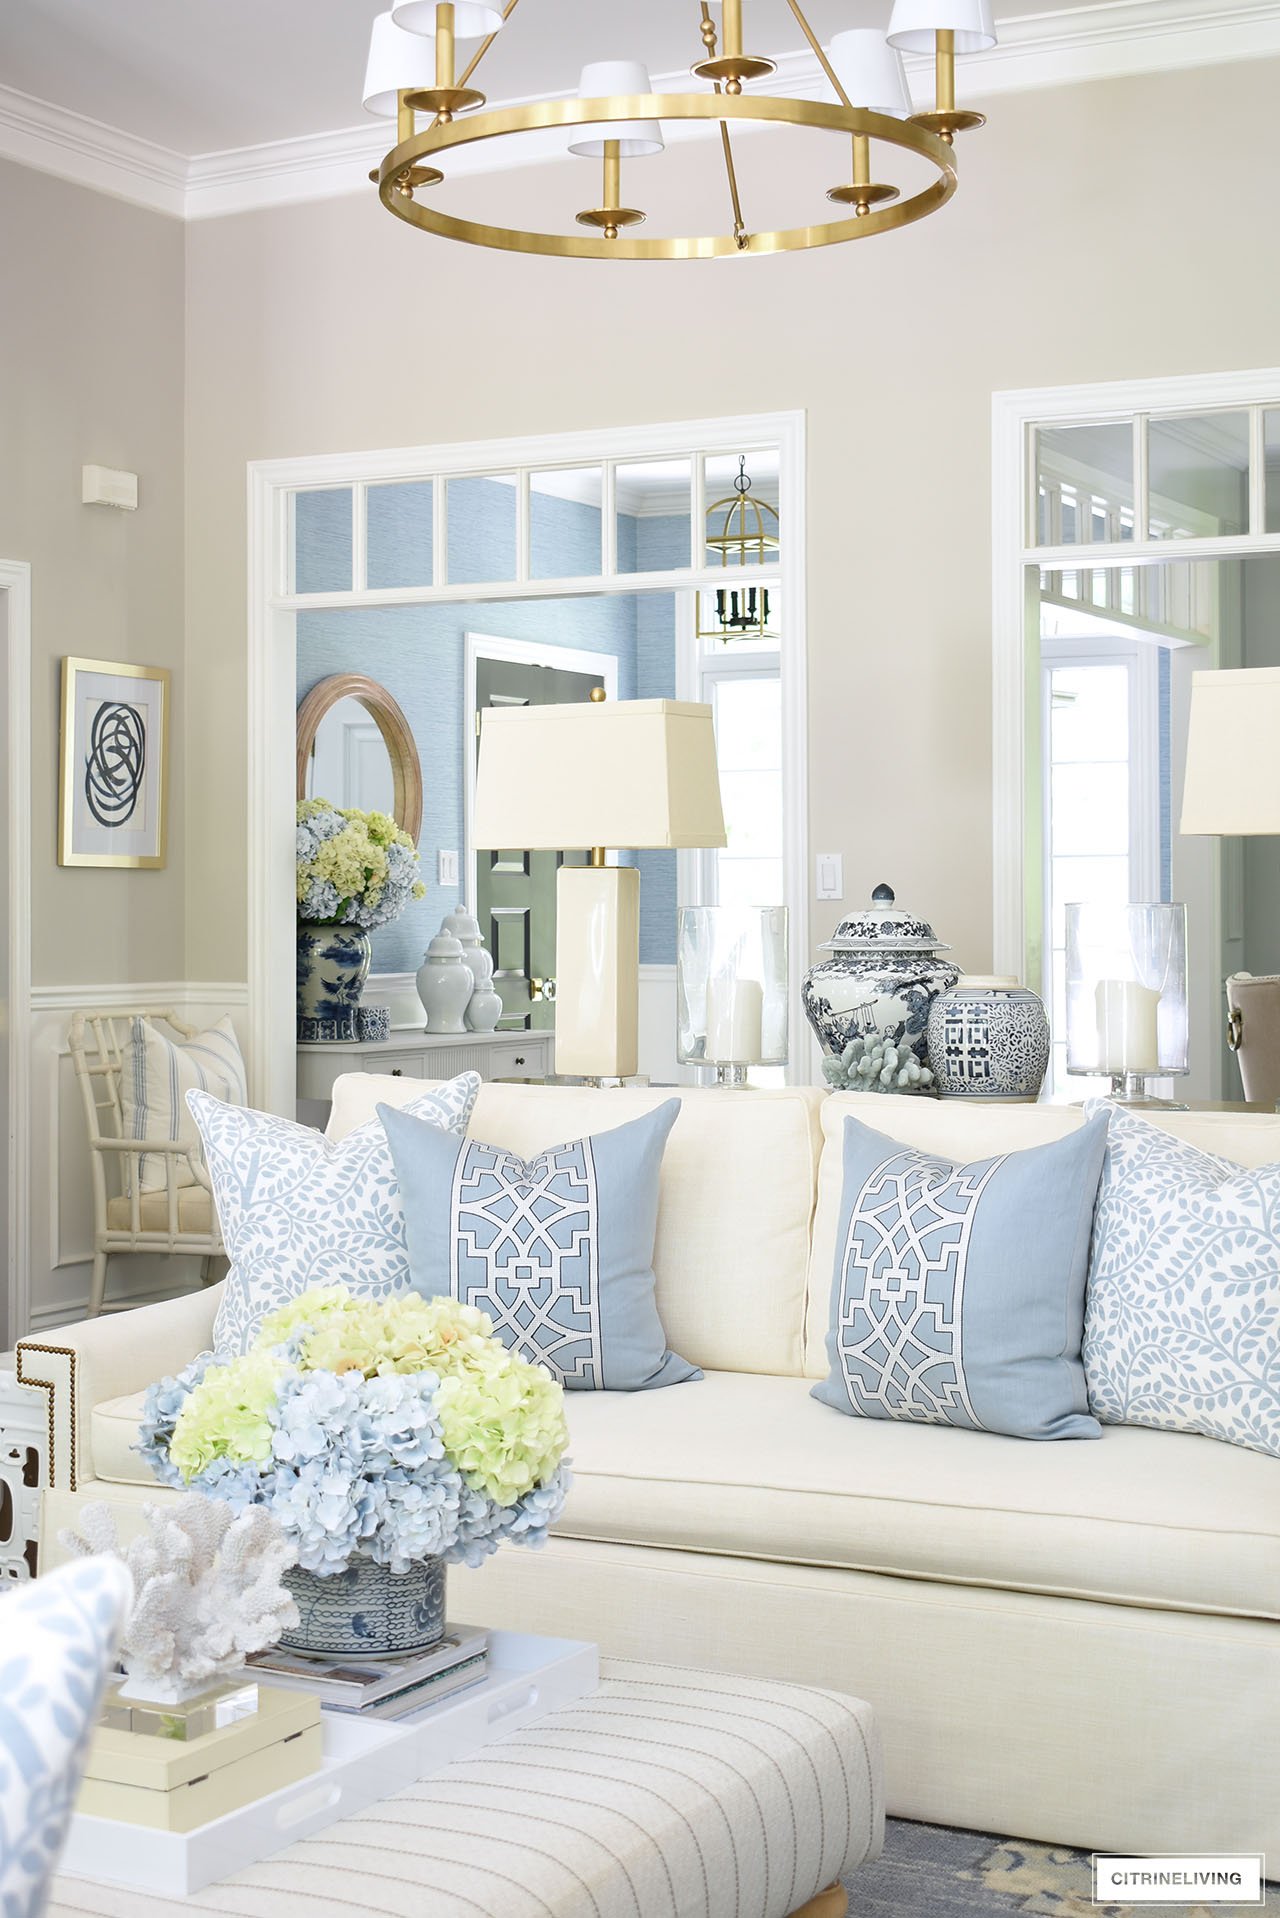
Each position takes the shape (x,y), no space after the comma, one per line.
(554,541)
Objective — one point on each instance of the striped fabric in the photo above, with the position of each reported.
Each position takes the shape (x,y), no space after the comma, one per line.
(159,1072)
(667,1794)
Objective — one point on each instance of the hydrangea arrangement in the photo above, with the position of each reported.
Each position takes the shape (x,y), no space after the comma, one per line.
(354,868)
(400,1429)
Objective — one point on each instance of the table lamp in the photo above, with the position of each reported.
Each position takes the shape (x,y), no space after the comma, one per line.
(637,773)
(1233,787)
(1233,780)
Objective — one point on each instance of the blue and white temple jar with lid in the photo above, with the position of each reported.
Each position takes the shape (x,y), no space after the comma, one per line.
(884,972)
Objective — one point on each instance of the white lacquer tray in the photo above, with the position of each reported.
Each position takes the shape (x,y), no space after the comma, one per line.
(363,1763)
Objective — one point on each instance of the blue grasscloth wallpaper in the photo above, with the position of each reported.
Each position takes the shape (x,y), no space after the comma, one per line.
(416,652)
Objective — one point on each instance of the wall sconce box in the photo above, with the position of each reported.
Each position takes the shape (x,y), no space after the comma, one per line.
(109,486)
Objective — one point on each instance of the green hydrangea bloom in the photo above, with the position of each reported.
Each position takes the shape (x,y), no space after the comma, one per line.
(504,1426)
(227,1415)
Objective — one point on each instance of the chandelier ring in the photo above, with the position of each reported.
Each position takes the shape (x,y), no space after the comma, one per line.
(718,108)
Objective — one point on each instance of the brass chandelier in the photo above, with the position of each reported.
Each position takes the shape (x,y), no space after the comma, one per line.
(617,118)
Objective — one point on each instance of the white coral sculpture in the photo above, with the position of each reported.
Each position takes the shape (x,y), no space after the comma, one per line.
(208,1590)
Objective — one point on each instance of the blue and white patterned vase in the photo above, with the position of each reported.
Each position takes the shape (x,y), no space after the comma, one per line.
(989,1039)
(367,1610)
(884,973)
(333,964)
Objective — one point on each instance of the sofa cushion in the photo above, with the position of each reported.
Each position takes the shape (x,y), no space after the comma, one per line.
(735,1199)
(958,1291)
(557,1250)
(1183,1328)
(298,1211)
(954,1129)
(756,1468)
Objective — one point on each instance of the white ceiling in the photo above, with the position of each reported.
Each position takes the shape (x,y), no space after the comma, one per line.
(237,73)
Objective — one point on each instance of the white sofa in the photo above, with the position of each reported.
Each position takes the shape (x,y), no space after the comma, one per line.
(1077,1642)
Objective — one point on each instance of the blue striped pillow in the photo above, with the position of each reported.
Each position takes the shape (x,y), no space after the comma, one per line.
(158,1072)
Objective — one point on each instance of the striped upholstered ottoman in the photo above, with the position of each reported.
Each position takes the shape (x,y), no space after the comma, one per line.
(668,1794)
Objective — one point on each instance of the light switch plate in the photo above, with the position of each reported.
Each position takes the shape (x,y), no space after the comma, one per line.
(447,874)
(830,880)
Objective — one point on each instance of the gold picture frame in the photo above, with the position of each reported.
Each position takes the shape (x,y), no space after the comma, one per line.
(114,764)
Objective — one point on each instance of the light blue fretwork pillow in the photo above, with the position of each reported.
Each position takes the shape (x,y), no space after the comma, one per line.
(557,1250)
(1182,1329)
(298,1210)
(58,1639)
(958,1293)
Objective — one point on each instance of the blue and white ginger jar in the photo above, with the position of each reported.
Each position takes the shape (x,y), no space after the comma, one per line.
(989,1039)
(884,973)
(333,964)
(367,1610)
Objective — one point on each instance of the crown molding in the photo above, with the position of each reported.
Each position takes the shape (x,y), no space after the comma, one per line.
(53,140)
(1108,40)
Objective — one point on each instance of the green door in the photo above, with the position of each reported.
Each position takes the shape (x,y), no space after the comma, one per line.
(516,891)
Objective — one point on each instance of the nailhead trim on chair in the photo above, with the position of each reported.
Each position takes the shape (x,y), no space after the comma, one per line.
(49,1387)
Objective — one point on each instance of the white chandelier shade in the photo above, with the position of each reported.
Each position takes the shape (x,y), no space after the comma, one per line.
(472,19)
(915,24)
(604,79)
(396,59)
(871,71)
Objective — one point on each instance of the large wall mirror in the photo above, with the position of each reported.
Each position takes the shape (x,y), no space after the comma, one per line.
(355,747)
(1150,554)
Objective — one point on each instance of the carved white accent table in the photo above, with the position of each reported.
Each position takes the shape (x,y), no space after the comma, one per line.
(24,1448)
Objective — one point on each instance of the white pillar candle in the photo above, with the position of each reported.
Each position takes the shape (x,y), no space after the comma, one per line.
(735,1020)
(1128,1039)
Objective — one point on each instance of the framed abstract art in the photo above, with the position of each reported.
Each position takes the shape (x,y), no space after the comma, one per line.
(115,764)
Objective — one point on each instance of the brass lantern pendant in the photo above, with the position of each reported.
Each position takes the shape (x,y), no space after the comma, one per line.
(737,529)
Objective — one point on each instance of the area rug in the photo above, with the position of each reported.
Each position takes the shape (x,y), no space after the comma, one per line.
(931,1871)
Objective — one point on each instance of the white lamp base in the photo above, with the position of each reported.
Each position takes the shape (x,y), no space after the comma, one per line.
(597,972)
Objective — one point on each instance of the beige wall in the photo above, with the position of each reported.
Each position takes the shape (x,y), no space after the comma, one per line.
(1091,239)
(91,370)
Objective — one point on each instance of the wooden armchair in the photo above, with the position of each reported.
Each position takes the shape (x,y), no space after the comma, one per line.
(177,1219)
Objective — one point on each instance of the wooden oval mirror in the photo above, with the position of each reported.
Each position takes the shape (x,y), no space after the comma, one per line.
(340,743)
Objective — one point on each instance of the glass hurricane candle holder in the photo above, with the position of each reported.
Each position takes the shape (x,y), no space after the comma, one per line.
(1127,996)
(731,989)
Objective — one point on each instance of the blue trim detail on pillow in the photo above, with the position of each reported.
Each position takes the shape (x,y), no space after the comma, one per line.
(958,1291)
(558,1250)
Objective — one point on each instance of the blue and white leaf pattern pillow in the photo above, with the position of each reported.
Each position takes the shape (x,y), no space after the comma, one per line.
(1182,1327)
(298,1210)
(58,1640)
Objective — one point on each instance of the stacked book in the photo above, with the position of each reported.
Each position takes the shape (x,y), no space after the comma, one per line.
(381,1687)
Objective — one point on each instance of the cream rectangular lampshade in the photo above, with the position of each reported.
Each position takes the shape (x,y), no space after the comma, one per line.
(636,772)
(1233,753)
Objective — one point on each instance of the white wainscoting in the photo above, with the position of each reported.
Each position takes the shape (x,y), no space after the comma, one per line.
(59,1200)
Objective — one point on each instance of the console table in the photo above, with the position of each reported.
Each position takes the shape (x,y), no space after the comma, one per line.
(408,1054)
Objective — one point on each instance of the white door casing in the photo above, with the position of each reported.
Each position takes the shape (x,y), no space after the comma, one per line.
(15,594)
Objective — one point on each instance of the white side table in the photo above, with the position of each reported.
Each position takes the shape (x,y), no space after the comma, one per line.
(24,1446)
(427,1055)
